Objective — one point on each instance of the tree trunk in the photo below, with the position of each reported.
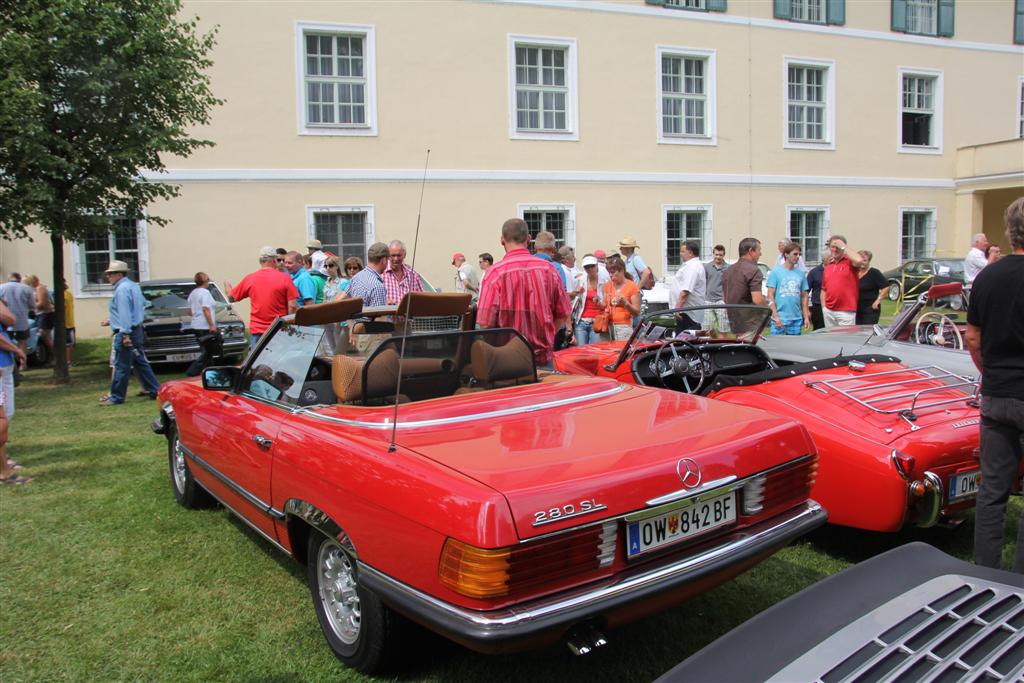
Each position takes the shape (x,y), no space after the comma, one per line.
(61,375)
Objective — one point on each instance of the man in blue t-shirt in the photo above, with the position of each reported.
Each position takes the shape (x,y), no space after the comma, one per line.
(788,293)
(295,267)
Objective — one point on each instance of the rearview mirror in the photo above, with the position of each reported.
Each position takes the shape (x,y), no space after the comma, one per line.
(220,378)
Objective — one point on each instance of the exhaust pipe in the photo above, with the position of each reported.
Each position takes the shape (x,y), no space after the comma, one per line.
(585,638)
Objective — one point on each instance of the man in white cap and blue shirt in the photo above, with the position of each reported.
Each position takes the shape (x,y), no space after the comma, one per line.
(127,310)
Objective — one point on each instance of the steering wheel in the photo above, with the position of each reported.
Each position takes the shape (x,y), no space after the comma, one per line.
(938,329)
(686,364)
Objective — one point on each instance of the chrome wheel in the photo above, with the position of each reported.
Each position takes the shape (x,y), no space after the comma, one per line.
(178,467)
(336,580)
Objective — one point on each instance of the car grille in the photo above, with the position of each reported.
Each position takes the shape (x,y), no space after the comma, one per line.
(969,629)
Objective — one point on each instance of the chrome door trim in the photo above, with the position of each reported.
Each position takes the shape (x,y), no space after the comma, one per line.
(265,508)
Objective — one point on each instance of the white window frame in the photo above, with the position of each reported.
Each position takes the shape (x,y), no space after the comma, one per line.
(369,232)
(369,128)
(1019,132)
(77,263)
(568,209)
(829,65)
(937,106)
(710,137)
(932,30)
(707,239)
(687,4)
(572,104)
(806,4)
(826,228)
(931,238)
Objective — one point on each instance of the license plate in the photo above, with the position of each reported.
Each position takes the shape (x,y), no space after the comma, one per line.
(680,524)
(964,485)
(181,357)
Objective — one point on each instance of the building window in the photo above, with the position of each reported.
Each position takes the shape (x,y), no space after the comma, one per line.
(923,17)
(543,78)
(682,224)
(920,111)
(337,79)
(687,96)
(917,233)
(1020,107)
(1018,22)
(124,242)
(705,5)
(811,11)
(808,227)
(343,230)
(810,104)
(558,219)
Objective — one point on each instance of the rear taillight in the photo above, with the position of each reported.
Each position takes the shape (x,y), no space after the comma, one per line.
(491,573)
(780,488)
(904,464)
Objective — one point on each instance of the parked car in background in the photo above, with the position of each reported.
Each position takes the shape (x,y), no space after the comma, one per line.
(441,478)
(656,299)
(915,277)
(168,340)
(913,613)
(915,336)
(897,446)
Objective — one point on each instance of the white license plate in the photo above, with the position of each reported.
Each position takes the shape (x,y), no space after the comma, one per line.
(680,524)
(964,485)
(181,357)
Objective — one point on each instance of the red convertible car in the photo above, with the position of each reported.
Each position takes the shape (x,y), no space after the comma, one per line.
(897,445)
(439,478)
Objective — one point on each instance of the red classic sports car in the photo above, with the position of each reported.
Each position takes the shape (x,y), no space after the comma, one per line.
(437,477)
(897,445)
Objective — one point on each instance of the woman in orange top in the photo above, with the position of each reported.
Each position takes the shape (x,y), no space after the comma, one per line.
(623,299)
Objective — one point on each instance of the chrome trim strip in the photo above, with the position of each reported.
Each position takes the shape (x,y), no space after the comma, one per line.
(265,508)
(683,494)
(387,424)
(589,596)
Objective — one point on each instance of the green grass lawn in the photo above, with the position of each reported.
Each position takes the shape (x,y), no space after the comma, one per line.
(104,577)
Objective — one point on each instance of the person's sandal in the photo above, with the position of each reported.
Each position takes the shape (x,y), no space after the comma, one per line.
(15,480)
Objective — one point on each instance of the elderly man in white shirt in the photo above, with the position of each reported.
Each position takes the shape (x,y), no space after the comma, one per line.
(689,286)
(975,260)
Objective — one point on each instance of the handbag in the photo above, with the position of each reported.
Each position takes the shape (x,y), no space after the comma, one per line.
(601,322)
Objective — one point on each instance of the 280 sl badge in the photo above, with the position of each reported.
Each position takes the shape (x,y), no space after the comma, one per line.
(557,514)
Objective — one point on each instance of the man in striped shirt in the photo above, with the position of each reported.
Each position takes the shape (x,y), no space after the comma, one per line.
(524,293)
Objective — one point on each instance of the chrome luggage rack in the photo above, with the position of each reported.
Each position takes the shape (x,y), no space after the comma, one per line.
(897,404)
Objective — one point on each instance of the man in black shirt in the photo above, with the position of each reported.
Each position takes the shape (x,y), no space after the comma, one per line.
(995,338)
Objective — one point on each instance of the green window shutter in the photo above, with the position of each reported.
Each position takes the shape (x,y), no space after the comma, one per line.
(899,15)
(945,23)
(783,9)
(716,5)
(1018,23)
(835,12)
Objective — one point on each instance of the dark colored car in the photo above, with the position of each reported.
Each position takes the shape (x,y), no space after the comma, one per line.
(169,340)
(916,276)
(911,614)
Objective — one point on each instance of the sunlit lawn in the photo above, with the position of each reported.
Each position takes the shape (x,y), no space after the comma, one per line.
(103,577)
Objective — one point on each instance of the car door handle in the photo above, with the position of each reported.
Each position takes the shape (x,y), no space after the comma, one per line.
(262,441)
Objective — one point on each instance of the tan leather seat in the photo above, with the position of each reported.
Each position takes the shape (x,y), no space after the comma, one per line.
(493,365)
(381,378)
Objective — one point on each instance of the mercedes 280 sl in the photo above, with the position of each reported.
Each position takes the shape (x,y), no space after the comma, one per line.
(439,478)
(897,445)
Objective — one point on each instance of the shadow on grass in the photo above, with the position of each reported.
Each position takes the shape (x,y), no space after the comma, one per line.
(856,545)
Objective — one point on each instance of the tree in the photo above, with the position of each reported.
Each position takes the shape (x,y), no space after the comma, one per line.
(92,92)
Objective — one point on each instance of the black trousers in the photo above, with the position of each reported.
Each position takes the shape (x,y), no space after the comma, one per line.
(211,345)
(817,317)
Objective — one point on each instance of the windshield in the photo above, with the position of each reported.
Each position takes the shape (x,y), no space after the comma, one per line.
(175,295)
(699,324)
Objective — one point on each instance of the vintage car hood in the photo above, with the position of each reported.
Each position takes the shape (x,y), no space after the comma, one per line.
(618,449)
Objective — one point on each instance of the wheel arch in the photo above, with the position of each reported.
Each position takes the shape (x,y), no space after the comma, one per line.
(301,518)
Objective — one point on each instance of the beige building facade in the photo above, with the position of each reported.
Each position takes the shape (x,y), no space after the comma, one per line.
(898,124)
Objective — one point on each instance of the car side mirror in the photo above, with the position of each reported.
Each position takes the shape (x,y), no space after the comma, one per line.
(220,378)
(877,330)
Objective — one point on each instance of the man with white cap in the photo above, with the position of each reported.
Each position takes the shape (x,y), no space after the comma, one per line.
(318,256)
(270,291)
(465,276)
(635,266)
(127,310)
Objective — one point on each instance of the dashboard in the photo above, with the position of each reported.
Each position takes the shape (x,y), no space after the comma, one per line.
(680,366)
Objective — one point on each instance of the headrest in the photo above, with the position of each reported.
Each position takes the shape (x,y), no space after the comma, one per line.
(415,304)
(491,364)
(333,312)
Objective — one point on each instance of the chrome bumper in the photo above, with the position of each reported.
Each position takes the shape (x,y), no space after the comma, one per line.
(549,618)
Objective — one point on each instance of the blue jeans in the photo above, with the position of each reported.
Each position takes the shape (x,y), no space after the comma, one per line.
(585,332)
(127,357)
(254,339)
(790,327)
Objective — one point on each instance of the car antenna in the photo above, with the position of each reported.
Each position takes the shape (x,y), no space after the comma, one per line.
(408,304)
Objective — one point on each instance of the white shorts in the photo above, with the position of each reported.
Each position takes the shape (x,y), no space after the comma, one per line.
(839,318)
(7,390)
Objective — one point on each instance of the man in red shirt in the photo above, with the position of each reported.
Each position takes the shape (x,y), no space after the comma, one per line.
(270,291)
(839,284)
(525,293)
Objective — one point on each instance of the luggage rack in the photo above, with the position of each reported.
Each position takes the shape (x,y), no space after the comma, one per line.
(897,404)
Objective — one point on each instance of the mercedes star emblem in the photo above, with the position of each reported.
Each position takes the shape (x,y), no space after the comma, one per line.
(689,472)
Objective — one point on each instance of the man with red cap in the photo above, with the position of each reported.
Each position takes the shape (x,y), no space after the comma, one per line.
(465,276)
(602,271)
